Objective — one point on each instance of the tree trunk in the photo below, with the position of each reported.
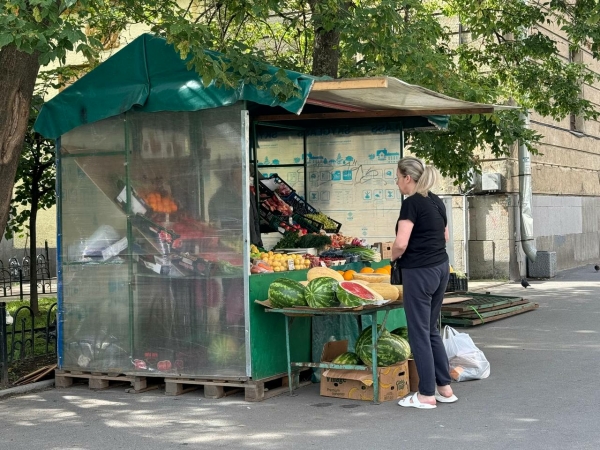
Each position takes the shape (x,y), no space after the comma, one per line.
(18,72)
(33,292)
(326,53)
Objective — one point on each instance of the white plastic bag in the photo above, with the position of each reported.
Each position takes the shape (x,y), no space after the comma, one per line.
(467,362)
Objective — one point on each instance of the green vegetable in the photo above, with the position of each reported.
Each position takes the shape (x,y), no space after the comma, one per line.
(288,240)
(366,254)
(313,240)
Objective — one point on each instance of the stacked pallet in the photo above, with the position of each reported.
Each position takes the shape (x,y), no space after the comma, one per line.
(476,309)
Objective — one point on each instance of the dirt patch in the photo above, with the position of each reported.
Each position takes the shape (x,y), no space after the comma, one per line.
(19,369)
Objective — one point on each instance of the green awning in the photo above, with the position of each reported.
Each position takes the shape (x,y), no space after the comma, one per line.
(149,75)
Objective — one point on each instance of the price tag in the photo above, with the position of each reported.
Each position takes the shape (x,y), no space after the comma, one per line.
(291,265)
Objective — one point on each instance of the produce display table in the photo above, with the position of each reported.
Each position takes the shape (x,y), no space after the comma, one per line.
(291,313)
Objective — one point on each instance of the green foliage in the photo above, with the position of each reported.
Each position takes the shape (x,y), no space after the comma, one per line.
(502,57)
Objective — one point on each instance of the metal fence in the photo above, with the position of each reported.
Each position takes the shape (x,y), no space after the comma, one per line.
(21,340)
(16,274)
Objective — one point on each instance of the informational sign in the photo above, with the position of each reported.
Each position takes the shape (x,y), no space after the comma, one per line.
(351,174)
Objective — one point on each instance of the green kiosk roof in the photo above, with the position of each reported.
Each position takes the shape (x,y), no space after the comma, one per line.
(149,75)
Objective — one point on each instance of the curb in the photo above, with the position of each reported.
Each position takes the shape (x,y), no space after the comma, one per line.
(26,389)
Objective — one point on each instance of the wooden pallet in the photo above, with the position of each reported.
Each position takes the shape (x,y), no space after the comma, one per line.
(99,380)
(254,390)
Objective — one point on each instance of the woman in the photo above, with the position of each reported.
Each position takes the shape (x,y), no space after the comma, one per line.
(421,236)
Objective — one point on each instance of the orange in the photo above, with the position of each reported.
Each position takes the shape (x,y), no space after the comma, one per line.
(367,270)
(341,272)
(349,275)
(382,270)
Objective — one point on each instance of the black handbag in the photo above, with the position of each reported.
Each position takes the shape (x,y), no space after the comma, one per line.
(396,277)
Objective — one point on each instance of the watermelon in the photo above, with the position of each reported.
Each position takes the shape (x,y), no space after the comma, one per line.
(353,294)
(320,292)
(286,293)
(347,358)
(391,349)
(402,332)
(224,351)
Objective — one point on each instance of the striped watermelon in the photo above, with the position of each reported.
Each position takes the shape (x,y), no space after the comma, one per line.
(402,332)
(353,294)
(347,358)
(320,293)
(391,349)
(286,293)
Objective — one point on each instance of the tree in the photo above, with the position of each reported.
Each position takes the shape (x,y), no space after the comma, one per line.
(35,177)
(403,38)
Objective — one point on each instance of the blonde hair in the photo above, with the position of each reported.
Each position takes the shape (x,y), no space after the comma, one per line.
(425,176)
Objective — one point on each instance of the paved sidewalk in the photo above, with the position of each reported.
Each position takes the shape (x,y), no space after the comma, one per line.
(542,394)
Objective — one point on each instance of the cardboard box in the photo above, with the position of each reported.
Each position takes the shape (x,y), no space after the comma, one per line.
(413,376)
(358,384)
(385,248)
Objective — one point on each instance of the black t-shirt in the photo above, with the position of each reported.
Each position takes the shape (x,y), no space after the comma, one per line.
(427,244)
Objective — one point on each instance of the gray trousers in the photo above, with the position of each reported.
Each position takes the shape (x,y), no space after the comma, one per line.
(423,295)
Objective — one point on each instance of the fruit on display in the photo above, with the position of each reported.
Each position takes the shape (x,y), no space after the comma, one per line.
(286,293)
(280,262)
(328,223)
(254,252)
(224,351)
(320,292)
(400,291)
(401,331)
(372,277)
(318,272)
(384,270)
(367,270)
(387,291)
(275,205)
(349,275)
(347,358)
(160,203)
(391,348)
(353,294)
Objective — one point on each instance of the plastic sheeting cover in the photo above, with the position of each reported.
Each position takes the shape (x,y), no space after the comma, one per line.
(152,245)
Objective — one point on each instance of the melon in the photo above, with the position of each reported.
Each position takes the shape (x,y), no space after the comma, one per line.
(286,293)
(319,272)
(372,277)
(354,294)
(347,358)
(391,349)
(320,293)
(387,291)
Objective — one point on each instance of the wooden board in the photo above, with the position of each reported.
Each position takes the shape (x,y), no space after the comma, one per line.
(450,311)
(484,301)
(459,299)
(471,322)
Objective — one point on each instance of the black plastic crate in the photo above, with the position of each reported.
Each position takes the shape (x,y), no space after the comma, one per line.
(457,284)
(277,185)
(311,225)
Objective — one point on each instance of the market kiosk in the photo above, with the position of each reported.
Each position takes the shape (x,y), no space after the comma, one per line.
(154,210)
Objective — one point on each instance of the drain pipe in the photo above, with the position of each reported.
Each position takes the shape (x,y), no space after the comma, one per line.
(525,198)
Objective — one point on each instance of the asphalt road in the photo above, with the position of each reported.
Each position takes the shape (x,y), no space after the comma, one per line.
(542,394)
